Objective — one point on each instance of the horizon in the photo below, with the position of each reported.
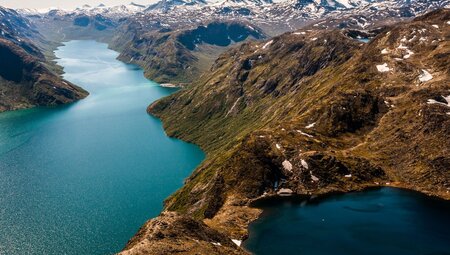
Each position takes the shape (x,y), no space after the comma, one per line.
(66,4)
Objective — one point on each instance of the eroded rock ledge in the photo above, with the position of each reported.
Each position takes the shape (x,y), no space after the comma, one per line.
(172,233)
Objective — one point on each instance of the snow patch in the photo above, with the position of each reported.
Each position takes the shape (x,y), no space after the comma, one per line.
(267,44)
(311,125)
(347,175)
(345,3)
(237,242)
(305,134)
(401,46)
(409,53)
(304,164)
(278,146)
(447,98)
(313,177)
(287,165)
(435,26)
(383,68)
(384,51)
(217,244)
(425,76)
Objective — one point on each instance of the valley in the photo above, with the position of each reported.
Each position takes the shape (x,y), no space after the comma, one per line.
(287,99)
(75,179)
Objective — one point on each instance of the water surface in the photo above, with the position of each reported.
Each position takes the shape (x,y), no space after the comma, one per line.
(82,178)
(364,40)
(383,221)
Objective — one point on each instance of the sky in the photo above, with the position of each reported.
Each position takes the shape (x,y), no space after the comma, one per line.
(65,4)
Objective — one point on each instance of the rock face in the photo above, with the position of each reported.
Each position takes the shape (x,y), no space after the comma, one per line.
(25,79)
(178,55)
(172,233)
(25,82)
(311,112)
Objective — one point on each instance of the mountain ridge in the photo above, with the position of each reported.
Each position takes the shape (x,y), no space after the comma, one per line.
(27,78)
(379,121)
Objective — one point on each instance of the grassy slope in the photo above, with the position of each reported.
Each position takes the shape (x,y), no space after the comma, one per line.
(248,112)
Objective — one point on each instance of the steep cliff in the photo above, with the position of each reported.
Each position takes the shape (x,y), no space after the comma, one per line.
(26,78)
(25,82)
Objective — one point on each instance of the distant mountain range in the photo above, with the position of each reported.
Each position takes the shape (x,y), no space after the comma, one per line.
(137,30)
(283,96)
(275,17)
(307,6)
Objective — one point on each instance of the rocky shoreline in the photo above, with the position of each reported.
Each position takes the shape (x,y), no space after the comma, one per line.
(167,234)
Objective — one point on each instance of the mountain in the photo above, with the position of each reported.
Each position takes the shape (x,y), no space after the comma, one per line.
(273,18)
(278,16)
(20,31)
(113,11)
(150,38)
(312,111)
(166,5)
(60,26)
(26,79)
(178,55)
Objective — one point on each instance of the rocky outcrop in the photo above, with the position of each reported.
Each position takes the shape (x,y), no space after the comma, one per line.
(172,233)
(313,112)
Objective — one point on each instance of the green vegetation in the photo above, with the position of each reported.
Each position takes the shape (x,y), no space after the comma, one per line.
(317,100)
(178,56)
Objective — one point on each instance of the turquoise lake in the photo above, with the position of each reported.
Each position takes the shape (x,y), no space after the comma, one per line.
(380,221)
(82,178)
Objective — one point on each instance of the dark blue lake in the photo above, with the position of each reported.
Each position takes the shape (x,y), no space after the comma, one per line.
(382,221)
(82,178)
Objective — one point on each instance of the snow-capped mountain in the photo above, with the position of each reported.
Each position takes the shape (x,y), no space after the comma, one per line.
(273,16)
(272,9)
(119,10)
(102,9)
(244,3)
(165,5)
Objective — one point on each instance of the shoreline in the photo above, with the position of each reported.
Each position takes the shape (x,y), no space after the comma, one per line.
(232,214)
(320,197)
(270,206)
